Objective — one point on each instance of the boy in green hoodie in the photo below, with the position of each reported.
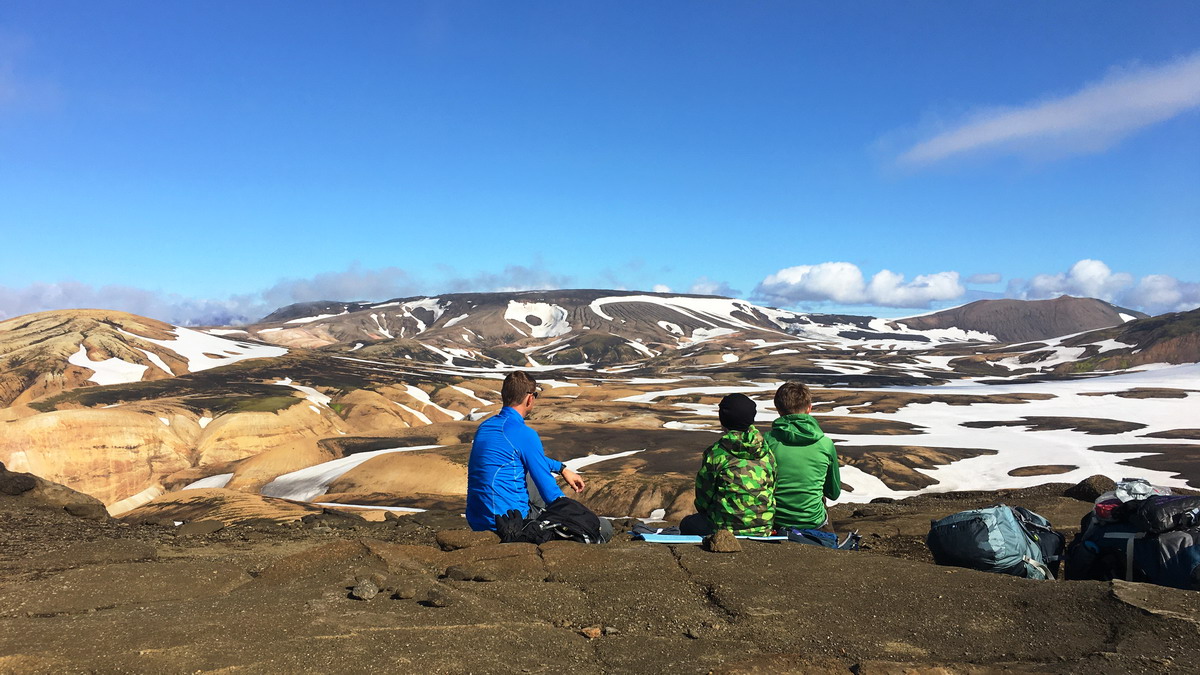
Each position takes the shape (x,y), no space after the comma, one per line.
(806,461)
(734,484)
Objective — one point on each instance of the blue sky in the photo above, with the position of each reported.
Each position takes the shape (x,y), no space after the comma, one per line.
(200,160)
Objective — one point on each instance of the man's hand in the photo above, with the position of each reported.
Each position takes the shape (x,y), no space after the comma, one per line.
(573,479)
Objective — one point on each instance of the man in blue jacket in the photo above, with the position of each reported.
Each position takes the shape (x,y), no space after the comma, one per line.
(504,452)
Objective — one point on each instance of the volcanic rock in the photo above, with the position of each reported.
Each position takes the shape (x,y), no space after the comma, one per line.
(364,590)
(31,490)
(199,527)
(1090,488)
(452,540)
(722,541)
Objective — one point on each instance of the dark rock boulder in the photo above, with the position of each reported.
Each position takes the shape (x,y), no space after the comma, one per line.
(1090,488)
(722,541)
(31,490)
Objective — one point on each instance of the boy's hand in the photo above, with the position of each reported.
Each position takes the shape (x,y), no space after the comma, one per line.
(573,479)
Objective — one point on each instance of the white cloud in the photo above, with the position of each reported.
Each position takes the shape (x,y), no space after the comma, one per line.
(512,278)
(661,288)
(1087,278)
(39,297)
(985,278)
(355,283)
(1162,293)
(1154,293)
(1089,120)
(706,286)
(843,283)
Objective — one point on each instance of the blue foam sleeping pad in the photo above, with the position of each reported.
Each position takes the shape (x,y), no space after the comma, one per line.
(693,538)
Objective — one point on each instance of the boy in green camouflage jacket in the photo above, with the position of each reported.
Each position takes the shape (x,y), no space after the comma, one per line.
(735,487)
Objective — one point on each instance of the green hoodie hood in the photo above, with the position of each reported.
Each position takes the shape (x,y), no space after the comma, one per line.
(797,430)
(748,444)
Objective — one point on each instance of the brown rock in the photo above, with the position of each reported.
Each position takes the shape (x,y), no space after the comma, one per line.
(36,491)
(365,590)
(405,590)
(722,541)
(16,483)
(452,540)
(1090,488)
(592,632)
(199,527)
(438,597)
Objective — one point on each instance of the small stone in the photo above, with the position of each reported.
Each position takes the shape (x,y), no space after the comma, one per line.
(1090,488)
(459,573)
(88,510)
(405,590)
(609,630)
(199,527)
(722,541)
(439,598)
(376,577)
(692,634)
(391,515)
(591,632)
(365,590)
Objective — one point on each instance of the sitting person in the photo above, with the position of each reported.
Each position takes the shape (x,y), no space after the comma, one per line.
(806,460)
(734,487)
(507,457)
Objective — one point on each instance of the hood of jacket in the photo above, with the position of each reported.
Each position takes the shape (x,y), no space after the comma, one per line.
(798,429)
(748,444)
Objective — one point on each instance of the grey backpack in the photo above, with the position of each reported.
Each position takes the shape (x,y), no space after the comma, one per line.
(1003,539)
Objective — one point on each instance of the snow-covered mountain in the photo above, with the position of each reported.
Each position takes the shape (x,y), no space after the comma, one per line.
(49,352)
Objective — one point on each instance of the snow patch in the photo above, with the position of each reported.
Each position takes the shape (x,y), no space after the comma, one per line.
(553,319)
(108,371)
(310,319)
(218,481)
(309,482)
(196,348)
(580,462)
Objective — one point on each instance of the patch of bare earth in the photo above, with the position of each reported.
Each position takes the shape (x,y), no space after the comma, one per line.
(896,465)
(1182,459)
(1143,392)
(865,402)
(1189,434)
(1043,470)
(1089,425)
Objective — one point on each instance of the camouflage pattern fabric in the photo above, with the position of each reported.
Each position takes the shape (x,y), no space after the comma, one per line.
(735,487)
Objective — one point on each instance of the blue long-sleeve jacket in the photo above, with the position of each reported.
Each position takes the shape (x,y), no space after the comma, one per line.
(503,451)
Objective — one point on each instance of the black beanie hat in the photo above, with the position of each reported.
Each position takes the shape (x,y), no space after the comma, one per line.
(737,412)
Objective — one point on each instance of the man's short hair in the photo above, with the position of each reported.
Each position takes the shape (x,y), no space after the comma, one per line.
(792,398)
(517,385)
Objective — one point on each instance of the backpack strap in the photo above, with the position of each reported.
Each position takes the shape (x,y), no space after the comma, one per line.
(1039,566)
(1128,537)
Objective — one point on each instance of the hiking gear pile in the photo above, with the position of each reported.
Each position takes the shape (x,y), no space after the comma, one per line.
(1139,532)
(564,518)
(1003,539)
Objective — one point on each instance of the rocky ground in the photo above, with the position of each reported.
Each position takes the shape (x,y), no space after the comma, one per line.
(308,591)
